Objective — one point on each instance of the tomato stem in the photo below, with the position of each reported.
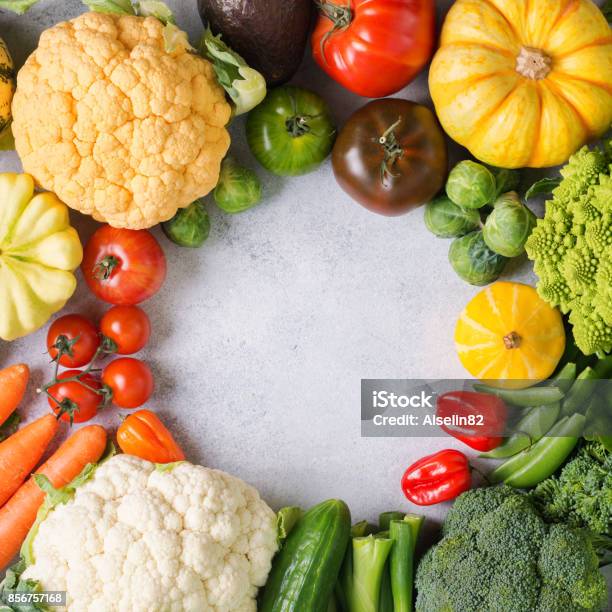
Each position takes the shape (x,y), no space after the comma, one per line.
(340,16)
(298,125)
(104,268)
(392,150)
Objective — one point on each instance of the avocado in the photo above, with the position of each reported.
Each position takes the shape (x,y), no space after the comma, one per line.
(270,35)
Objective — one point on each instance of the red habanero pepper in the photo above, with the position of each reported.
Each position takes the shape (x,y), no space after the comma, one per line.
(437,478)
(477,419)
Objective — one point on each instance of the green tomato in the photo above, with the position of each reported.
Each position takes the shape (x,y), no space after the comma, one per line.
(291,132)
(473,261)
(189,227)
(447,220)
(508,226)
(471,185)
(238,188)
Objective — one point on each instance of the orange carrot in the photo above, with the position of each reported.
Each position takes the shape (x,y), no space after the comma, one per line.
(20,453)
(13,382)
(19,513)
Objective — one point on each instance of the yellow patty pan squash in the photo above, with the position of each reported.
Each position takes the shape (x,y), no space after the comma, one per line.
(38,252)
(7,86)
(523,83)
(509,336)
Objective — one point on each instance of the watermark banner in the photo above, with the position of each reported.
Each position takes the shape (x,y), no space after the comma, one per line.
(434,408)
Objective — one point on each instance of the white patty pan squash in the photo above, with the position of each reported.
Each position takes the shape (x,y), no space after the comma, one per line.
(523,82)
(139,537)
(38,252)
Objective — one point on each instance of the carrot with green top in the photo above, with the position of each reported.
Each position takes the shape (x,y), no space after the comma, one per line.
(13,383)
(20,453)
(18,515)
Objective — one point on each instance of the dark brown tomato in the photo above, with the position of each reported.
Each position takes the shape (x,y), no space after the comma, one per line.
(391,156)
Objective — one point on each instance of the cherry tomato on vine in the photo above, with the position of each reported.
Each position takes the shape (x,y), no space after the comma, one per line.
(123,267)
(130,380)
(75,400)
(128,327)
(76,337)
(374,47)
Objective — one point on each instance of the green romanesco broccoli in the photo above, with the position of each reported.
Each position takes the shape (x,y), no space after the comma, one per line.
(572,248)
(499,555)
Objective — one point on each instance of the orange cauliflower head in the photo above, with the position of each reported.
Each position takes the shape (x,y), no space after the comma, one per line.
(115,125)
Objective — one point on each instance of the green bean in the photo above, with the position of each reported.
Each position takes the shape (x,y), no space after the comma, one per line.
(516,463)
(564,378)
(580,392)
(535,424)
(533,396)
(550,456)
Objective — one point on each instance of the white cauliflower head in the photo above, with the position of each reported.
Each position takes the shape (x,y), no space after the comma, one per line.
(136,538)
(115,125)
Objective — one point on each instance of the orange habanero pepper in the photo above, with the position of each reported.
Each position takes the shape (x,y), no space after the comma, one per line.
(143,435)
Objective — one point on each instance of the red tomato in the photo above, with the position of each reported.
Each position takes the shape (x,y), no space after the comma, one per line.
(130,380)
(122,266)
(128,327)
(77,338)
(374,47)
(75,402)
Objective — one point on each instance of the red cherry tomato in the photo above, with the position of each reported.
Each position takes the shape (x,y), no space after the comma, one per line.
(77,338)
(122,266)
(130,380)
(128,327)
(77,401)
(374,47)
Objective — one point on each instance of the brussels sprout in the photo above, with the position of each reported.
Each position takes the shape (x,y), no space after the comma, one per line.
(473,261)
(508,226)
(506,180)
(189,227)
(238,188)
(471,185)
(447,220)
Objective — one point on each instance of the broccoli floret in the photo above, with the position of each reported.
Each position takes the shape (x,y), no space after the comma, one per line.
(499,555)
(572,248)
(581,495)
(569,562)
(471,507)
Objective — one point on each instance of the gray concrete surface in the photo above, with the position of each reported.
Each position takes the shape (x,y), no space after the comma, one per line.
(261,337)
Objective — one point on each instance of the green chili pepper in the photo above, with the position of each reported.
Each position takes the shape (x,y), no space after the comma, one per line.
(550,456)
(533,396)
(533,426)
(543,458)
(580,392)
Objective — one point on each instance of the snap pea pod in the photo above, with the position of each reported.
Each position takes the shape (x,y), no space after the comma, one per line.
(580,392)
(533,396)
(543,458)
(551,455)
(564,378)
(533,426)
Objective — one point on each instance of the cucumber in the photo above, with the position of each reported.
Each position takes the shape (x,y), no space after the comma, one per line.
(305,571)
